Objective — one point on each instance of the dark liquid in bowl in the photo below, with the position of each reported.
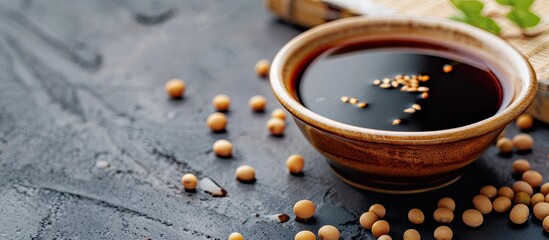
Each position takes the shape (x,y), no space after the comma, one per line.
(463,96)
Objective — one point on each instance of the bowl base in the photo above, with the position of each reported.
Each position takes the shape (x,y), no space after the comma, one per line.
(388,188)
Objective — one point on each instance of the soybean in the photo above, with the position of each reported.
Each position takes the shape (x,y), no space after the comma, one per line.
(304,209)
(519,214)
(522,186)
(523,142)
(522,197)
(175,88)
(380,227)
(447,203)
(262,67)
(502,204)
(221,102)
(305,235)
(472,218)
(541,210)
(546,224)
(367,219)
(328,232)
(295,164)
(258,103)
(223,148)
(245,173)
(378,210)
(276,126)
(279,113)
(411,234)
(189,181)
(217,122)
(537,198)
(489,191)
(443,233)
(416,216)
(504,145)
(482,204)
(506,192)
(443,215)
(525,121)
(521,165)
(384,237)
(544,189)
(533,178)
(235,236)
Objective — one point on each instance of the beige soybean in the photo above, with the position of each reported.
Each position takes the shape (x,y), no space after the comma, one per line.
(380,227)
(223,148)
(217,122)
(502,204)
(545,188)
(175,88)
(279,113)
(525,121)
(245,173)
(541,210)
(221,102)
(546,224)
(447,203)
(533,178)
(504,145)
(547,198)
(519,214)
(235,236)
(368,219)
(262,67)
(522,197)
(305,235)
(295,163)
(411,234)
(443,233)
(489,191)
(189,181)
(506,192)
(443,215)
(328,232)
(472,218)
(304,209)
(537,198)
(416,216)
(384,237)
(378,209)
(521,165)
(482,204)
(276,126)
(523,142)
(522,186)
(258,103)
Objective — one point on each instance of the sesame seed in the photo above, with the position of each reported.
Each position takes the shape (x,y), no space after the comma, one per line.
(447,68)
(353,100)
(344,99)
(377,82)
(416,106)
(423,89)
(362,105)
(409,110)
(397,121)
(425,95)
(385,85)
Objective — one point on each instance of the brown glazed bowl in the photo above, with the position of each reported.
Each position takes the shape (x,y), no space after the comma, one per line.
(392,161)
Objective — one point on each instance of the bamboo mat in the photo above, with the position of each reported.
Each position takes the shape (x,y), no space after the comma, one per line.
(536,49)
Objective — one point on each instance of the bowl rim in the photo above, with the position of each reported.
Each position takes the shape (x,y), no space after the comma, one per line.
(519,104)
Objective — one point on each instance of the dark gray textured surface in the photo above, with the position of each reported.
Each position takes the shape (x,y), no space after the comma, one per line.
(82,81)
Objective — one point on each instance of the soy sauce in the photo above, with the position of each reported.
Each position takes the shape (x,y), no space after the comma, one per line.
(469,93)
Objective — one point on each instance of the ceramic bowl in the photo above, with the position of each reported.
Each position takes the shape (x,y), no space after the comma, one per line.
(393,161)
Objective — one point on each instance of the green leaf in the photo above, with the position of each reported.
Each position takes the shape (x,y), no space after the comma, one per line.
(523,18)
(520,4)
(479,21)
(469,7)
